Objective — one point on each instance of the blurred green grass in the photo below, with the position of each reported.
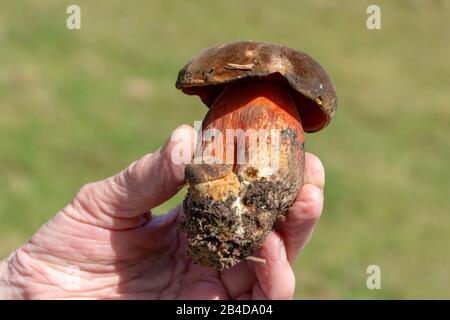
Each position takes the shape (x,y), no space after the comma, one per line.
(77,106)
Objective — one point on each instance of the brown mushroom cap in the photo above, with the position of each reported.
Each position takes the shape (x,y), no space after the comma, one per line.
(207,74)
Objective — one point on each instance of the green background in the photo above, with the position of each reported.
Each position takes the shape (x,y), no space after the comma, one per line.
(77,106)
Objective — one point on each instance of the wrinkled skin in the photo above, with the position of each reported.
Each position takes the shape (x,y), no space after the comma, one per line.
(105,244)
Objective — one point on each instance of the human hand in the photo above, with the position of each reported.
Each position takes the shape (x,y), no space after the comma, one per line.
(106,244)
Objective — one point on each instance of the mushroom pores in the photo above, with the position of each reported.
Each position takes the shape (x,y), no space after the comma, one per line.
(249,162)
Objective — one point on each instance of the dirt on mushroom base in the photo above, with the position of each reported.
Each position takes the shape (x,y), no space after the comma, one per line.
(212,226)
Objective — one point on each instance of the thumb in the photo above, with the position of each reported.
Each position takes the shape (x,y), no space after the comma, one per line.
(143,185)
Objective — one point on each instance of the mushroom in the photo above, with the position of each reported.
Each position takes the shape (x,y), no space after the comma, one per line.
(250,155)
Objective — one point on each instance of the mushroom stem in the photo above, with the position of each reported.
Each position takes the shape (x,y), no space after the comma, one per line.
(252,144)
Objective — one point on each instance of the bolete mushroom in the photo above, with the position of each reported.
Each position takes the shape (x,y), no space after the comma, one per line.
(262,97)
